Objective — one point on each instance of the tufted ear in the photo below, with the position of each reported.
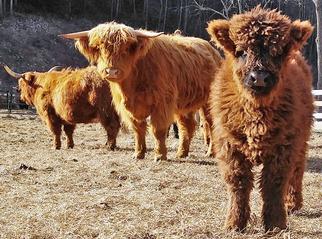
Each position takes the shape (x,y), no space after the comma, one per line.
(29,78)
(300,33)
(219,32)
(91,53)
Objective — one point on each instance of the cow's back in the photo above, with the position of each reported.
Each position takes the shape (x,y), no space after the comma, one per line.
(77,95)
(185,67)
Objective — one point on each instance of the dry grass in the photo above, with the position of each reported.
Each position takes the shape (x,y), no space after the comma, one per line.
(90,192)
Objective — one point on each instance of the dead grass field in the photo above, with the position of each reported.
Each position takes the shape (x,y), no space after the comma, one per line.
(90,192)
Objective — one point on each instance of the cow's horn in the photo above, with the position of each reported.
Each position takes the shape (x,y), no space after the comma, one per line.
(75,35)
(55,68)
(147,34)
(12,73)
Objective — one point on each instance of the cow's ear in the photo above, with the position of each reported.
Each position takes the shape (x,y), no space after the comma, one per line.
(219,32)
(141,46)
(90,53)
(300,33)
(29,78)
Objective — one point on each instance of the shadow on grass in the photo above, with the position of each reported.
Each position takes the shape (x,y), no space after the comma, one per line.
(199,162)
(314,165)
(309,214)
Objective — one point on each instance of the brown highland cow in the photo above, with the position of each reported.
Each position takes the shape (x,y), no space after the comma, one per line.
(165,77)
(68,97)
(262,105)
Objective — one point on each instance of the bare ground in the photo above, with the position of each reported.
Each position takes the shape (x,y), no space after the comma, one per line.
(90,192)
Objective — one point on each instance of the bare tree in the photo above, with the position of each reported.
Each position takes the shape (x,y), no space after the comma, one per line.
(134,8)
(226,6)
(11,7)
(165,14)
(1,9)
(318,9)
(160,14)
(146,10)
(180,14)
(186,13)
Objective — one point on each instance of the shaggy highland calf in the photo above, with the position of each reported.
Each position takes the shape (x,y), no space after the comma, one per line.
(166,77)
(261,105)
(68,97)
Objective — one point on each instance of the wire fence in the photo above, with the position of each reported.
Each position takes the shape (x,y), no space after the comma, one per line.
(10,100)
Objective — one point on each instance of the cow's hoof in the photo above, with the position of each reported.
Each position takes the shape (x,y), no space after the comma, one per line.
(231,227)
(111,145)
(70,146)
(158,158)
(138,156)
(181,154)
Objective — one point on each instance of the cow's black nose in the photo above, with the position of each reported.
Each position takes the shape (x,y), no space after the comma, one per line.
(259,78)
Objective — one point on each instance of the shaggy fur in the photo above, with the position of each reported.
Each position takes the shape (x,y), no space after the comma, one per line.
(272,128)
(68,97)
(167,78)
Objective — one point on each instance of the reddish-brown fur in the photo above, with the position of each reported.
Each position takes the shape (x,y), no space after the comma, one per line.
(271,129)
(165,77)
(68,97)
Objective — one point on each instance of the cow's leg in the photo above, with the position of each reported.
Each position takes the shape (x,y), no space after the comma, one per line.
(273,184)
(187,126)
(294,198)
(239,179)
(139,128)
(111,123)
(160,149)
(54,126)
(207,129)
(69,130)
(159,127)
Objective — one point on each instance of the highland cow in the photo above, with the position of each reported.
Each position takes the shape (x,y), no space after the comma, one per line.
(262,105)
(166,77)
(68,97)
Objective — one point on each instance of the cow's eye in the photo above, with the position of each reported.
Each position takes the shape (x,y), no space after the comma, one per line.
(133,47)
(241,54)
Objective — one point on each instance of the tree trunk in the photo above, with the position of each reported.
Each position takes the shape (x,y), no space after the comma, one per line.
(4,7)
(185,16)
(180,14)
(146,13)
(134,9)
(11,7)
(112,7)
(318,9)
(160,15)
(165,14)
(1,9)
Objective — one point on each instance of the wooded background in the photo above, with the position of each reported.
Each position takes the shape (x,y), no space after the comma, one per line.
(190,16)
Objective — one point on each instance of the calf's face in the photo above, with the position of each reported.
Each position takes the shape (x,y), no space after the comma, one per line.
(259,43)
(27,88)
(27,85)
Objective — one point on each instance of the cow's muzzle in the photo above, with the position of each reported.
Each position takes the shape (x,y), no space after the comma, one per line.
(260,81)
(112,73)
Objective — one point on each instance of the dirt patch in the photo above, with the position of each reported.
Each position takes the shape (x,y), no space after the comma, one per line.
(91,192)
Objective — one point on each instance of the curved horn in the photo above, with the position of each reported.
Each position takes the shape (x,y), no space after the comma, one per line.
(147,34)
(55,68)
(12,73)
(75,35)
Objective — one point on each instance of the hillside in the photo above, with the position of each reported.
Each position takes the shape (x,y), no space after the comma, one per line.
(31,43)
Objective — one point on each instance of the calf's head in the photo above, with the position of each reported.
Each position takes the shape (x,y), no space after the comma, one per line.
(259,42)
(114,48)
(27,85)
